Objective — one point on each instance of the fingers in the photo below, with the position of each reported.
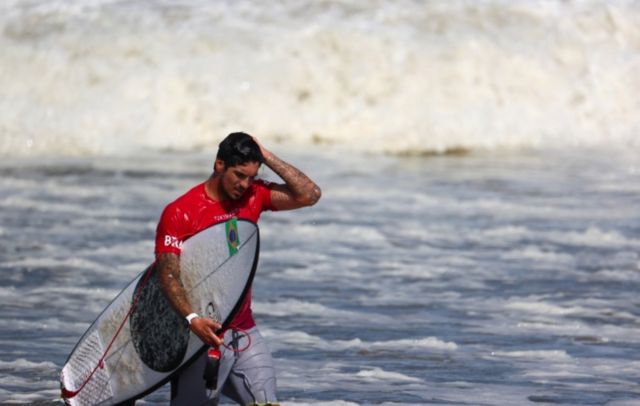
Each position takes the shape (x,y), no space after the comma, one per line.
(213,327)
(206,329)
(263,150)
(212,324)
(215,341)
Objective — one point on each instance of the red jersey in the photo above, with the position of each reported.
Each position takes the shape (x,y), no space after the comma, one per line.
(195,210)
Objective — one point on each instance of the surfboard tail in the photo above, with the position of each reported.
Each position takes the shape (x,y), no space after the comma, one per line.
(81,382)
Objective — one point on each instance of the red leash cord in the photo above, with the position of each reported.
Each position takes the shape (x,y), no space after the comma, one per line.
(238,350)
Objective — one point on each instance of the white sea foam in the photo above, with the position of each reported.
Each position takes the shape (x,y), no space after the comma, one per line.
(303,339)
(313,375)
(67,262)
(584,319)
(595,237)
(26,398)
(13,380)
(631,275)
(310,376)
(544,355)
(50,325)
(601,333)
(539,306)
(378,374)
(291,307)
(534,253)
(21,364)
(107,76)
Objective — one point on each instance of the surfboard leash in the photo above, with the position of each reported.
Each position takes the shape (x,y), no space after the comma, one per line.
(233,346)
(69,394)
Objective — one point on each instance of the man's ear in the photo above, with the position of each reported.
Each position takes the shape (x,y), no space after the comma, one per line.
(218,166)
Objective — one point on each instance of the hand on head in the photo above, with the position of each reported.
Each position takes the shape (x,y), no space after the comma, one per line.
(263,150)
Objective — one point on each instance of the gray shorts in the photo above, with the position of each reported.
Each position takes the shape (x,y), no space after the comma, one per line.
(247,377)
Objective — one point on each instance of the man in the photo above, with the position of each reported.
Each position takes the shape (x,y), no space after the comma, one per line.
(248,377)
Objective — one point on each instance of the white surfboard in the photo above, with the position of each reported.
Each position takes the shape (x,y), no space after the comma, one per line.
(139,342)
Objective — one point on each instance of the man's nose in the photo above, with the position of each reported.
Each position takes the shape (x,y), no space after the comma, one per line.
(245,183)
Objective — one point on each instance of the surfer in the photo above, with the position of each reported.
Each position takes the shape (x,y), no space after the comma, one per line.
(246,375)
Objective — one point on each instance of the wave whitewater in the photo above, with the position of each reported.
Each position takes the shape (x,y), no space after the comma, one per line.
(107,77)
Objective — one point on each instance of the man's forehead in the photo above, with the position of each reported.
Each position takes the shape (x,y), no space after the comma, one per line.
(247,168)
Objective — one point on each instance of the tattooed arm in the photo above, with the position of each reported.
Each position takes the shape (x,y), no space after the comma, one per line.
(298,191)
(168,268)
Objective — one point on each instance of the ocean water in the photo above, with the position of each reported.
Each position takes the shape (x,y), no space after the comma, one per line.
(467,280)
(478,239)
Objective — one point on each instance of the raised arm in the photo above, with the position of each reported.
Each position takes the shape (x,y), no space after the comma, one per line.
(168,268)
(297,191)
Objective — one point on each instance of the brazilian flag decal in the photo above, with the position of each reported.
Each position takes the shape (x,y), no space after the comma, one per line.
(233,239)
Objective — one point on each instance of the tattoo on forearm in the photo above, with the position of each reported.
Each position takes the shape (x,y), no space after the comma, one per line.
(301,186)
(168,268)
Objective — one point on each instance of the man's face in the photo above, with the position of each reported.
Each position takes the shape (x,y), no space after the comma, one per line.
(237,179)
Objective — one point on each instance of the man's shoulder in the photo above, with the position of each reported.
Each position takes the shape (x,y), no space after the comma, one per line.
(188,198)
(262,184)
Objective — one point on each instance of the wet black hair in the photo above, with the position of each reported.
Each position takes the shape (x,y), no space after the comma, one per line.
(239,148)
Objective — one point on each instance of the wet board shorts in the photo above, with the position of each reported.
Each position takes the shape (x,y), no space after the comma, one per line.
(247,377)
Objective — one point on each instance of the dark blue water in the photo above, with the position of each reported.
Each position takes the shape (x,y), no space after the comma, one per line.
(482,279)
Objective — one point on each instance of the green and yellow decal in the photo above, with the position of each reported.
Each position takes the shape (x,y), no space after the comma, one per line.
(233,239)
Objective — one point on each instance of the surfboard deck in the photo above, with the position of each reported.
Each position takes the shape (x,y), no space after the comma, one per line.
(141,341)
